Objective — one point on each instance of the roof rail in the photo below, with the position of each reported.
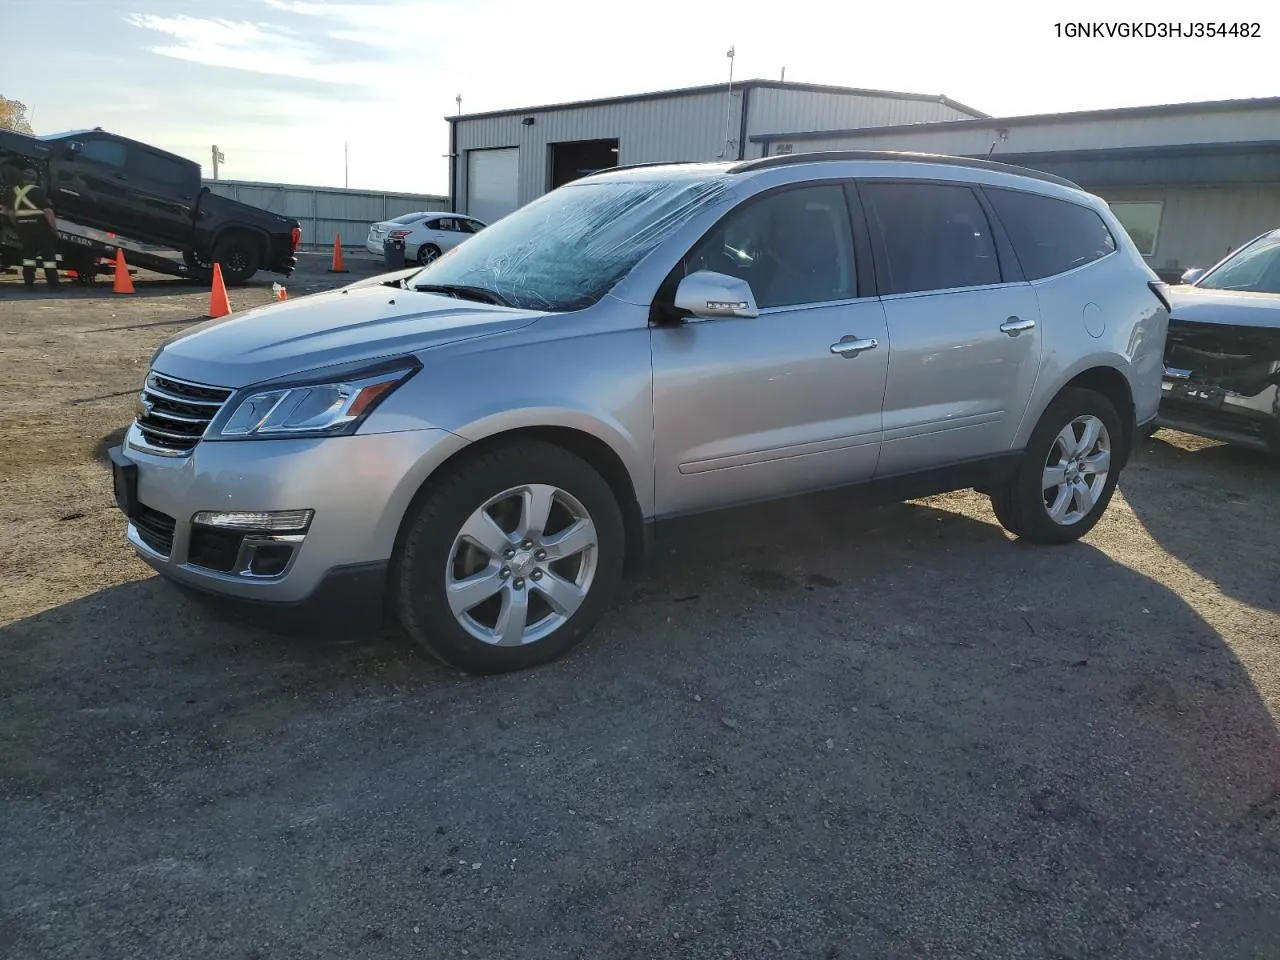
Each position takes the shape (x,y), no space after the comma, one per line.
(641,166)
(764,163)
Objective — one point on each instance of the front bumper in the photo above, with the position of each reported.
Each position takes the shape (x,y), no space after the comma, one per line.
(1209,410)
(359,487)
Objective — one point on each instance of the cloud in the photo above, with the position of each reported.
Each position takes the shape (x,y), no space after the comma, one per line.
(249,46)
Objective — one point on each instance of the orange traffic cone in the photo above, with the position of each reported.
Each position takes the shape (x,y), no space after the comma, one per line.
(219,304)
(123,283)
(337,265)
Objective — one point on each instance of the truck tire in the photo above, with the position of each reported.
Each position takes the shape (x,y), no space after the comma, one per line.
(239,256)
(200,265)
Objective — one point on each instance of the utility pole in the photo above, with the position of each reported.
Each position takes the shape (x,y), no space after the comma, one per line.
(458,98)
(728,111)
(218,157)
(346,168)
(784,75)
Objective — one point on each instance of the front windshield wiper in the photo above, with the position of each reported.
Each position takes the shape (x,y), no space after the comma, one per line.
(464,292)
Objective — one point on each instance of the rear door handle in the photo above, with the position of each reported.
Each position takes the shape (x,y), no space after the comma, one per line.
(849,346)
(1013,326)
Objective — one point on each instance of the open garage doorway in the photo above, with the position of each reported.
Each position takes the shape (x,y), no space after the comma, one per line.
(577,158)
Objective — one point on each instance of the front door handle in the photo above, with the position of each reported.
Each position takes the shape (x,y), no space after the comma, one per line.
(851,346)
(1013,326)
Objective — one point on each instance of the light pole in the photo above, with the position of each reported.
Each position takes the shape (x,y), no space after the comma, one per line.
(346,168)
(728,111)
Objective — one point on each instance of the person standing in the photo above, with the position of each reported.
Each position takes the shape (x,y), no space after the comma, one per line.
(32,215)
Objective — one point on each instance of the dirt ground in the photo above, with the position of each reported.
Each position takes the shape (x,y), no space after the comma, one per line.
(808,732)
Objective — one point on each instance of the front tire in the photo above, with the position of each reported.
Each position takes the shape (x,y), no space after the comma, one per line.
(1067,473)
(510,559)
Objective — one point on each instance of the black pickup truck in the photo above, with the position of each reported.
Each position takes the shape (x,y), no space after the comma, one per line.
(110,183)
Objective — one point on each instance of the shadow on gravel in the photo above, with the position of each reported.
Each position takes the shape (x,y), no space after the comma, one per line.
(1181,497)
(812,732)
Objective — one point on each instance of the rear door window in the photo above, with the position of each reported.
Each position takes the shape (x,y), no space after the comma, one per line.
(930,236)
(1050,236)
(110,152)
(159,169)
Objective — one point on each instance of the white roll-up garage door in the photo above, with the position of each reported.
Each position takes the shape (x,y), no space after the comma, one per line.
(493,183)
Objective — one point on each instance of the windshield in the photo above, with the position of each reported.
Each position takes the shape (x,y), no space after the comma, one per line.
(568,248)
(407,218)
(1255,268)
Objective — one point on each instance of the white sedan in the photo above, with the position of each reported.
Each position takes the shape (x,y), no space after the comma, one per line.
(426,235)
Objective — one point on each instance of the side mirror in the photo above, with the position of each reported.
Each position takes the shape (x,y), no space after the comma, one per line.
(707,294)
(1192,275)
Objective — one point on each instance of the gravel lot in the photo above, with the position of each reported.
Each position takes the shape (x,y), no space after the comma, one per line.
(811,731)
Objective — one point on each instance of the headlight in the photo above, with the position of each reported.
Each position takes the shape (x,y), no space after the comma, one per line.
(331,408)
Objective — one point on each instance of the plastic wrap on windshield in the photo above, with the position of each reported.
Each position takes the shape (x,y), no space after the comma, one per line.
(568,248)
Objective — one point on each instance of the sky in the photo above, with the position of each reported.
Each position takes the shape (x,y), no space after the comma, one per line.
(281,85)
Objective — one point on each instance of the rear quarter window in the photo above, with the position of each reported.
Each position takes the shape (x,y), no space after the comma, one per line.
(1050,236)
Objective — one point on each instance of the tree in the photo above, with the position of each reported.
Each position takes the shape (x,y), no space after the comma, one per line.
(13,116)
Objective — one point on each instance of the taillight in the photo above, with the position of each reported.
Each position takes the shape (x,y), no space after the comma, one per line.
(399,234)
(297,237)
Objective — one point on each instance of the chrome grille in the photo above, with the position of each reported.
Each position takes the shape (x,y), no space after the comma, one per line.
(174,414)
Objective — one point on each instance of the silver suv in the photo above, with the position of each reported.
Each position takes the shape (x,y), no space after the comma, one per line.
(483,443)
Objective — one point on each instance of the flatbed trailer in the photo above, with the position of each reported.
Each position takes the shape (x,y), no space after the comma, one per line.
(89,253)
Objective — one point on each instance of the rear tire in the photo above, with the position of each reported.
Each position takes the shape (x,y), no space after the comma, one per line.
(239,256)
(548,567)
(1068,472)
(427,253)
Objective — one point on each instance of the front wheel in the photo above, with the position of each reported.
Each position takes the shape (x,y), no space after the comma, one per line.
(1068,471)
(510,559)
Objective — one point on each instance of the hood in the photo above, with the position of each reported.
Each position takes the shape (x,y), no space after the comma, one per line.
(351,324)
(1227,307)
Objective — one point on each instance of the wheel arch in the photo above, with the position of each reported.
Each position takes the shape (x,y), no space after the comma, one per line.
(595,451)
(1105,377)
(258,235)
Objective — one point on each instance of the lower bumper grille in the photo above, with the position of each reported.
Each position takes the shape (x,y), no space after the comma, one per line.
(155,529)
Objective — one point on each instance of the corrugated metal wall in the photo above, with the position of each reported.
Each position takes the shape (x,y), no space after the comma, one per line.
(324,211)
(1225,126)
(674,128)
(773,110)
(1201,225)
(686,127)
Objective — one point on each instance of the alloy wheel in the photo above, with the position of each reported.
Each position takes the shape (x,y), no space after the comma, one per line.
(522,565)
(1075,470)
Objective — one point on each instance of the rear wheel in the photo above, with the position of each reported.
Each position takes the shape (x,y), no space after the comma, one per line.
(238,254)
(1068,472)
(510,559)
(428,252)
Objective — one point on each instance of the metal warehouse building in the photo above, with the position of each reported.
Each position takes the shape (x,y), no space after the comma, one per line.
(1190,181)
(503,160)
